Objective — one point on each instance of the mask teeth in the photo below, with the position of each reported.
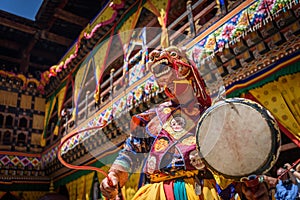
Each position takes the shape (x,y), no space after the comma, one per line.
(163,72)
(162,61)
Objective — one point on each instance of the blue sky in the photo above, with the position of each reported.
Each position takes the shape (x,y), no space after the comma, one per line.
(23,8)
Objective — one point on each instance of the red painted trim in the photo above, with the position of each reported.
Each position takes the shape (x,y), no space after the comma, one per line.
(14,153)
(289,134)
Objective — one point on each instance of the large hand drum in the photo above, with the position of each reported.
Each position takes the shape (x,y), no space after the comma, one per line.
(237,138)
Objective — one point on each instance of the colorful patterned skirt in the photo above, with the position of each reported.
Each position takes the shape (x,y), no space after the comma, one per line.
(177,189)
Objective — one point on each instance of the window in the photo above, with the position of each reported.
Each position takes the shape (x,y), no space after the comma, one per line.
(9,121)
(21,139)
(7,138)
(1,120)
(23,122)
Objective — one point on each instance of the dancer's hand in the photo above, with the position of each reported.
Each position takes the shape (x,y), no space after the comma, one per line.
(109,186)
(261,193)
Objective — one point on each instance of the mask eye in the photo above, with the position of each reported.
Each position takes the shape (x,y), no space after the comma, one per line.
(173,54)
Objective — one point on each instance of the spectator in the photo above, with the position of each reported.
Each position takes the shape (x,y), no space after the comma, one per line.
(286,187)
(296,174)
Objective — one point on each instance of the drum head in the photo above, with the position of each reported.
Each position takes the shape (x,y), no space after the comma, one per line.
(237,138)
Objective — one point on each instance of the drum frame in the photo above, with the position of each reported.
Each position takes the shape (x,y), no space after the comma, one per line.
(276,137)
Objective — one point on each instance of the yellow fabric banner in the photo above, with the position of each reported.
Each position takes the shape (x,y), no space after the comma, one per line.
(78,82)
(43,141)
(125,32)
(81,187)
(48,111)
(88,185)
(60,102)
(131,185)
(105,15)
(282,99)
(80,183)
(99,58)
(72,187)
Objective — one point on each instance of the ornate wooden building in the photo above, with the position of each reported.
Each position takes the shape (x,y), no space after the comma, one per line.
(82,64)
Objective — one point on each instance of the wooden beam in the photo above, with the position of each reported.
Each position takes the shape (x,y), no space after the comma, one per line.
(10,44)
(70,17)
(288,146)
(19,61)
(56,38)
(26,53)
(24,64)
(46,35)
(39,66)
(18,26)
(10,59)
(45,54)
(18,47)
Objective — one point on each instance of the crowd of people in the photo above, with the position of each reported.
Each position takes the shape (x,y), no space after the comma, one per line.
(162,145)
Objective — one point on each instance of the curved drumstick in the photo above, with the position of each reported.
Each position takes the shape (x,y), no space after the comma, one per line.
(66,138)
(292,166)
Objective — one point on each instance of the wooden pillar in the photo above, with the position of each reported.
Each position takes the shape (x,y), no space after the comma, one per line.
(191,17)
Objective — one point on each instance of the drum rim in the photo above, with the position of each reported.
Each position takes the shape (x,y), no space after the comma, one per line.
(274,128)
